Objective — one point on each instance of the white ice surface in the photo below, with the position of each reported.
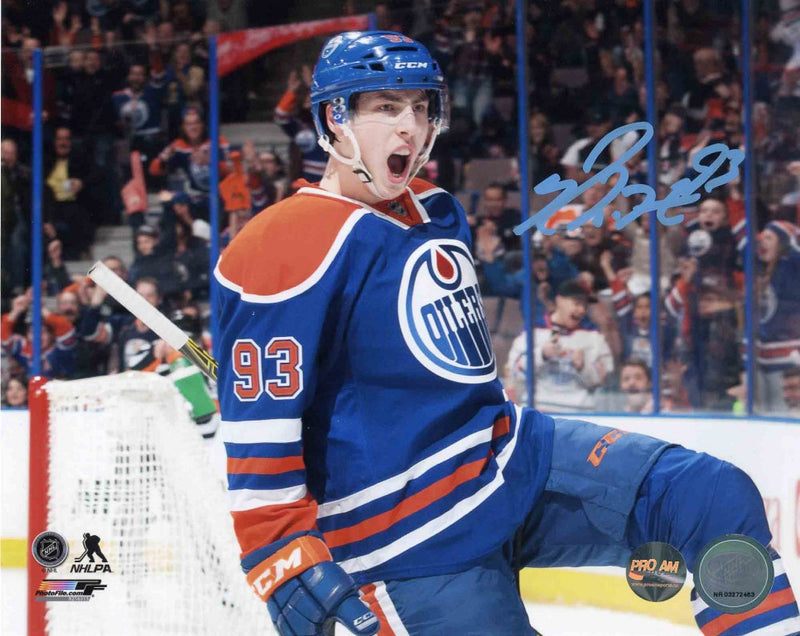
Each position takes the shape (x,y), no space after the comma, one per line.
(550,620)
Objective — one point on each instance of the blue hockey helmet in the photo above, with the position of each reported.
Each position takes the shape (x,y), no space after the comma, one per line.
(363,61)
(360,61)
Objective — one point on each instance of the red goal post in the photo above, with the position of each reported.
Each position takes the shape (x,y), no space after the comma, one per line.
(118,457)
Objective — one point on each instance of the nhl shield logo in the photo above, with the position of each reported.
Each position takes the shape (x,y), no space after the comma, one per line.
(441,314)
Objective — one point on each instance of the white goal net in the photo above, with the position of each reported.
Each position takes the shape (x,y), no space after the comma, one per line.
(127,465)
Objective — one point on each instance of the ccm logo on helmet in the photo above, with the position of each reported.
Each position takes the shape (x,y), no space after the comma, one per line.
(263,584)
(411,65)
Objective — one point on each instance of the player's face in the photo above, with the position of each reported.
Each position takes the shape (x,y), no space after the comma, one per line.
(391,128)
(712,215)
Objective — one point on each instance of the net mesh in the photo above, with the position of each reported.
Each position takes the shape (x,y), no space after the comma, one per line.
(128,465)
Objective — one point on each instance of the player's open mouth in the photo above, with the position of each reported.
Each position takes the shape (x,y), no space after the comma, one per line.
(398,164)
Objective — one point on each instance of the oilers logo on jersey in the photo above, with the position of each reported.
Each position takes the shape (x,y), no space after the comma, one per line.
(767,304)
(137,112)
(441,314)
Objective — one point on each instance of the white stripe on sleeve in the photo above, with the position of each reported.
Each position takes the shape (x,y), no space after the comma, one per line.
(246,499)
(279,431)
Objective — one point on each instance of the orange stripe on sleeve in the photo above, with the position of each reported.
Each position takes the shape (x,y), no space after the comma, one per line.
(726,621)
(261,526)
(407,507)
(264,465)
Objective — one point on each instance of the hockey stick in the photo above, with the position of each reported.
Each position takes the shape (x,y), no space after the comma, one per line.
(126,296)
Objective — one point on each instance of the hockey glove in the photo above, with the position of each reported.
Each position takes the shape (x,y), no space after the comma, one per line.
(305,591)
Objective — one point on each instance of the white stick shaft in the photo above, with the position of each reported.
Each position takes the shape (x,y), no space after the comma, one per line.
(137,305)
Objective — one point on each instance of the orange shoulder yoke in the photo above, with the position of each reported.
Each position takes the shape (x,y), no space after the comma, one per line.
(284,245)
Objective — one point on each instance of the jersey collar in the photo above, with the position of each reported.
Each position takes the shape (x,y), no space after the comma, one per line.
(405,211)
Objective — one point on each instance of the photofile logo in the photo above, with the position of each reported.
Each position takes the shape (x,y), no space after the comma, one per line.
(68,589)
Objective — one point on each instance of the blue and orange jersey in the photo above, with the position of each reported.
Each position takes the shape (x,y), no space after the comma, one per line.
(57,361)
(141,110)
(358,390)
(777,344)
(194,162)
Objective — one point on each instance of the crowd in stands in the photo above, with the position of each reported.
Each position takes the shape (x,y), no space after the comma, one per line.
(126,112)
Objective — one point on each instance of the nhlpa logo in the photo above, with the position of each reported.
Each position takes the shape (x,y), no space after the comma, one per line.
(91,549)
(441,314)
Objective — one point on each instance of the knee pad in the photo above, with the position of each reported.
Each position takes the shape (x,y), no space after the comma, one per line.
(689,498)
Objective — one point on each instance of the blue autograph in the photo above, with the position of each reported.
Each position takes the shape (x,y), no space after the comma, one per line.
(683,192)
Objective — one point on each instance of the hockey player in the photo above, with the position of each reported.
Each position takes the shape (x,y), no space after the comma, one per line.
(370,447)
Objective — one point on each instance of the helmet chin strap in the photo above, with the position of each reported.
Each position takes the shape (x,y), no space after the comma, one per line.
(360,169)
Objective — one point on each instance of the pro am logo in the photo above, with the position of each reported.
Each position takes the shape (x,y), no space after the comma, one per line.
(441,314)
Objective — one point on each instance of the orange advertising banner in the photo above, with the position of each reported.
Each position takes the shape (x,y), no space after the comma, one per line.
(237,48)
